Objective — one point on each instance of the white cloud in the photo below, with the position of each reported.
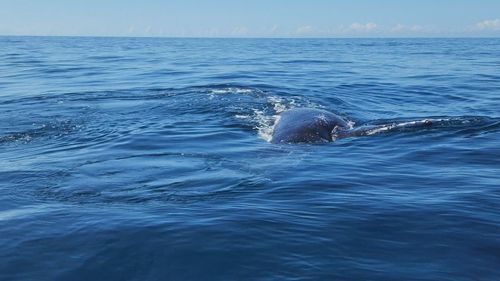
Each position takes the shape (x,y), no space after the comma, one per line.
(489,25)
(273,29)
(405,28)
(212,32)
(359,27)
(240,31)
(304,30)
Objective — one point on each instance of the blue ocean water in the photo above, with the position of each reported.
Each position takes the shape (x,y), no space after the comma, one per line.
(148,159)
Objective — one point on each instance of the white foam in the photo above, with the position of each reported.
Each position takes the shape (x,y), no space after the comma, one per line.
(265,124)
(278,105)
(408,124)
(231,90)
(350,124)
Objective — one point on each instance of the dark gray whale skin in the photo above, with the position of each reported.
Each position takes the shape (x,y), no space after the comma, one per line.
(307,125)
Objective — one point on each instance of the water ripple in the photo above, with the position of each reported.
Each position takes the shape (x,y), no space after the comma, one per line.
(151,153)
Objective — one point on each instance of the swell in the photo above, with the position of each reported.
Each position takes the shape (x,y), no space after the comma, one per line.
(226,178)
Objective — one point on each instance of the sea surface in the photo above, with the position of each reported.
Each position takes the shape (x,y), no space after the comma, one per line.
(149,159)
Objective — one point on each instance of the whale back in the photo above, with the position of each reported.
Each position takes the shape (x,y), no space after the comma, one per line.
(305,125)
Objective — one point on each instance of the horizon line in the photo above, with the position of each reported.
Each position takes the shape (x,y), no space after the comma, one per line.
(259,37)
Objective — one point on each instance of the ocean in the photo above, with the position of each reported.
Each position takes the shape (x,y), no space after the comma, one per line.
(150,159)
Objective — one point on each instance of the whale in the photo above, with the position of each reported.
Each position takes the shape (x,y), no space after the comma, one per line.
(307,125)
(312,125)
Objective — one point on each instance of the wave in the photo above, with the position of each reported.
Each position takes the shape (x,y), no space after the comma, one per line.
(52,129)
(229,105)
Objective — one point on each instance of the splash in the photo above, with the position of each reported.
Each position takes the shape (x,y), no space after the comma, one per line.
(278,104)
(265,122)
(265,118)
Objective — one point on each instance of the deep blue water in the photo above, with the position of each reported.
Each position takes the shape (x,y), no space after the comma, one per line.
(148,159)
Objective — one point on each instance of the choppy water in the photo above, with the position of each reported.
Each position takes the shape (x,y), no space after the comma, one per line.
(148,159)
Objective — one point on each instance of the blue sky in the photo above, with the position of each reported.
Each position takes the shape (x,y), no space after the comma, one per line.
(251,18)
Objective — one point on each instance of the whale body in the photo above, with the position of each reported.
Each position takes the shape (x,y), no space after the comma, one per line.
(307,125)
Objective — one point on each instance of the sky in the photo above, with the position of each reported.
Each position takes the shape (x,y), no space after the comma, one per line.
(252,18)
